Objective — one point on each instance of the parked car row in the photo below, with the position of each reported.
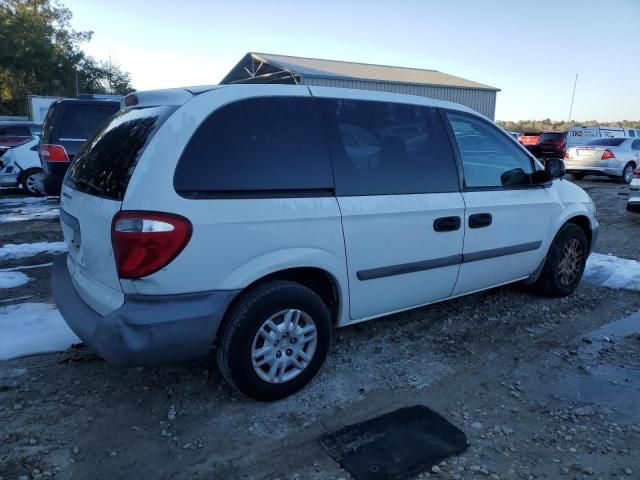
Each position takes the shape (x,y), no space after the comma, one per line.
(37,157)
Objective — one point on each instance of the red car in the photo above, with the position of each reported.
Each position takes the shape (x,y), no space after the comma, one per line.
(14,133)
(550,144)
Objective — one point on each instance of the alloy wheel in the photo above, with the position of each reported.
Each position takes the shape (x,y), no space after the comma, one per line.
(570,262)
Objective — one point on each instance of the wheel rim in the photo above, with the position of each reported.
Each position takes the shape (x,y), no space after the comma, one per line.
(628,174)
(30,183)
(570,262)
(284,346)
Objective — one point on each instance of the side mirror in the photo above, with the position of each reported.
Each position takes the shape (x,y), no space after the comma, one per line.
(554,168)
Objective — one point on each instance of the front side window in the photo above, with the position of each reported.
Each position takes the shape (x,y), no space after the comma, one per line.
(489,159)
(381,148)
(265,144)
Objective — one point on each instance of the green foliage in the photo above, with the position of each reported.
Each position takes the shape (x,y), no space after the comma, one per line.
(523,126)
(40,54)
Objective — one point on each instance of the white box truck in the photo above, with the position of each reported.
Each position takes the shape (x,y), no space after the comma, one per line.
(39,106)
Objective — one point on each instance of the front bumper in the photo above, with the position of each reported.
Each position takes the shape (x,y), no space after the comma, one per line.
(9,179)
(145,330)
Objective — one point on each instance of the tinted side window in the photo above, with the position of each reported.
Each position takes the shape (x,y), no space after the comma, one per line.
(635,145)
(489,159)
(260,144)
(80,121)
(16,131)
(632,133)
(381,148)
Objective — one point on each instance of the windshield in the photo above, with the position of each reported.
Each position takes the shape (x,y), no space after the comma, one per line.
(607,142)
(105,164)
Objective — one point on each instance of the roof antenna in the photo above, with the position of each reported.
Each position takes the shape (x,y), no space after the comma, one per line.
(573,96)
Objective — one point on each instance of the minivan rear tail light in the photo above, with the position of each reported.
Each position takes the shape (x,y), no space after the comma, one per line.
(145,242)
(53,153)
(636,173)
(566,154)
(607,154)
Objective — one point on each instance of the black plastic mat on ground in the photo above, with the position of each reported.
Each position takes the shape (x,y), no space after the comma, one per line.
(395,445)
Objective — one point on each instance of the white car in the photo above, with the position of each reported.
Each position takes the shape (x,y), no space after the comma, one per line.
(615,157)
(20,165)
(633,203)
(236,216)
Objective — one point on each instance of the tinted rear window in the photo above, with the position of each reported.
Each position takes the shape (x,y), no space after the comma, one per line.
(272,145)
(551,136)
(381,148)
(607,142)
(80,121)
(105,163)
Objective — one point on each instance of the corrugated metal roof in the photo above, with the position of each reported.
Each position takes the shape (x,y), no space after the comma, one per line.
(315,67)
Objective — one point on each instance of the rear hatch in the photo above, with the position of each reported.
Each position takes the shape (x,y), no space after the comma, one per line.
(92,194)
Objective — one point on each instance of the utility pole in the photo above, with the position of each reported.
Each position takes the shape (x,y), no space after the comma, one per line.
(573,96)
(76,84)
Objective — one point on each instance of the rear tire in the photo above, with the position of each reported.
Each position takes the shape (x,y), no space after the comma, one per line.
(565,263)
(627,173)
(577,176)
(28,181)
(295,348)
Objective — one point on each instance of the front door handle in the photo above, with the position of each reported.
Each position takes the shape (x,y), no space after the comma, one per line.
(480,220)
(446,224)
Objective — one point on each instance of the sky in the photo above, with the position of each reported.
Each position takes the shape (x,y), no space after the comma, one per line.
(531,50)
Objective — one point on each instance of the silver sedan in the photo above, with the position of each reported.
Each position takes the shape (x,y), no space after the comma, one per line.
(611,156)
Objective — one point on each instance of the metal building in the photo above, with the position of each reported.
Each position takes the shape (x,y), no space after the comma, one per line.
(270,68)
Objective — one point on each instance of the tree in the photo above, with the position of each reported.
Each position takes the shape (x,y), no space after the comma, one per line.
(40,54)
(524,126)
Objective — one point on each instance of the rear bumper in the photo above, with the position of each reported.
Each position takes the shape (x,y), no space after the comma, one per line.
(145,330)
(611,168)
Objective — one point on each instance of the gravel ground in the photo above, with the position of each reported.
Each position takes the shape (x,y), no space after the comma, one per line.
(543,389)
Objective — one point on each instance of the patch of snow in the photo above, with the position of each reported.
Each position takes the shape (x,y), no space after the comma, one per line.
(13,279)
(15,299)
(12,251)
(30,328)
(26,267)
(26,200)
(613,272)
(34,212)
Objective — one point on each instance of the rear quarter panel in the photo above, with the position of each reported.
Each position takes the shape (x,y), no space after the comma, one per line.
(234,241)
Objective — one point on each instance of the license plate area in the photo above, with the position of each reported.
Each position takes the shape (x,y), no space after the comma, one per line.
(71,231)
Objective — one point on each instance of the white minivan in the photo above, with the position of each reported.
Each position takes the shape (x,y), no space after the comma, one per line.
(254,219)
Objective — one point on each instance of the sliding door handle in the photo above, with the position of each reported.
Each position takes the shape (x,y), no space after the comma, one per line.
(447,224)
(480,220)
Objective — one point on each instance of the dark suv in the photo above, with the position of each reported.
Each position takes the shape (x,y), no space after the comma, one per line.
(69,123)
(550,145)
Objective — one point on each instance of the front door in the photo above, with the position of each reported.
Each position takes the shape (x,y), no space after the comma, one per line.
(507,217)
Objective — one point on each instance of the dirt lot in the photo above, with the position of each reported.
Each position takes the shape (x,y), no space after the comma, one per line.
(543,388)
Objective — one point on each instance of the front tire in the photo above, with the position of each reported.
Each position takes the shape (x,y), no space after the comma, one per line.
(565,263)
(275,340)
(577,176)
(28,181)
